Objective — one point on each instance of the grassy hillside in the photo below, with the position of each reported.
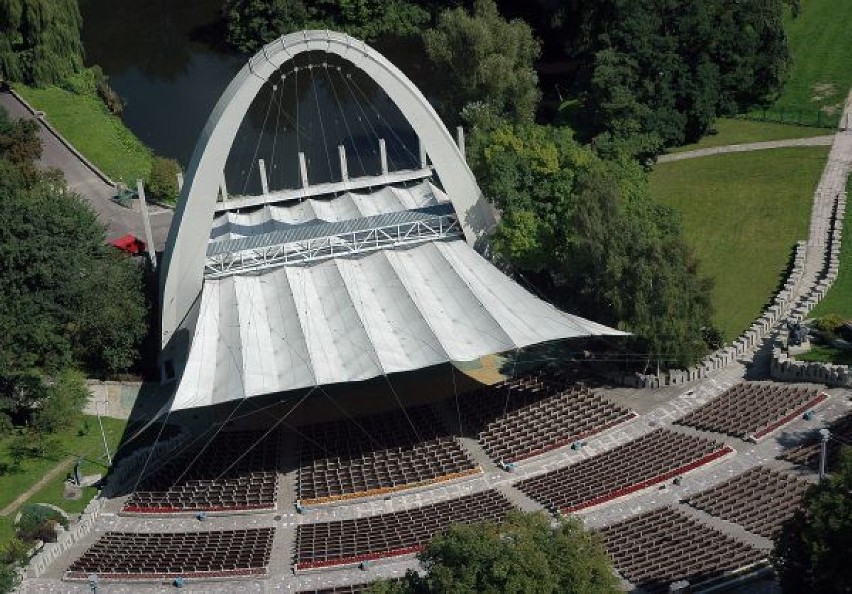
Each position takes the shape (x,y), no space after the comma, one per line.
(821,41)
(742,213)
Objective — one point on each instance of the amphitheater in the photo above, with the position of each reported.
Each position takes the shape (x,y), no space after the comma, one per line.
(327,416)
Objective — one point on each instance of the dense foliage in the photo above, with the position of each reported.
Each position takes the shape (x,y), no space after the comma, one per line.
(486,59)
(40,40)
(253,23)
(591,223)
(66,299)
(656,73)
(523,553)
(812,551)
(162,182)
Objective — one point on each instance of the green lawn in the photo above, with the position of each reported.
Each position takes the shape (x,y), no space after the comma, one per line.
(839,297)
(827,354)
(821,42)
(100,136)
(736,131)
(743,214)
(70,444)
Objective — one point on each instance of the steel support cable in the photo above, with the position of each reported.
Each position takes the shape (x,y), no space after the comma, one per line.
(363,120)
(373,108)
(240,371)
(270,430)
(509,385)
(306,330)
(345,120)
(204,306)
(259,138)
(384,121)
(378,363)
(273,165)
(319,116)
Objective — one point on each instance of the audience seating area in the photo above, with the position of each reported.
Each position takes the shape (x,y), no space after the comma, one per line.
(377,454)
(760,500)
(753,409)
(648,460)
(808,453)
(387,535)
(125,555)
(660,547)
(218,480)
(530,415)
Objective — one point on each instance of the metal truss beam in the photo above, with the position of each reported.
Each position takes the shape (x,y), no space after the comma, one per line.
(320,248)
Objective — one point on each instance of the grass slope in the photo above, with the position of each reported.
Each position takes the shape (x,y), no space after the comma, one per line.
(70,444)
(821,42)
(102,137)
(839,297)
(736,131)
(742,213)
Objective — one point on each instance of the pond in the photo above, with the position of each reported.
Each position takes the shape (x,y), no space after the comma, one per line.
(169,63)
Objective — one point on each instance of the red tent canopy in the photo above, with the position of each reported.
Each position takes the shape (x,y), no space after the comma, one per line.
(129,244)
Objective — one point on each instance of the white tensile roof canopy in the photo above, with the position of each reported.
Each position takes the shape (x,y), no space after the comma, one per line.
(340,285)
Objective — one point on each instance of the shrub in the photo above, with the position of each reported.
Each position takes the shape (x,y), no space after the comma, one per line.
(38,522)
(162,182)
(9,579)
(6,426)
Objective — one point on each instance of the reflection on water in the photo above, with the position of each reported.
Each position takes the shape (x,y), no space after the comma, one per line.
(168,62)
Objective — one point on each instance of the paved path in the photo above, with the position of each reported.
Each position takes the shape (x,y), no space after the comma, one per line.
(751,146)
(63,466)
(81,179)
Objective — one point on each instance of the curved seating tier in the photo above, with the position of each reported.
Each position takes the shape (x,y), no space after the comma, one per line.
(753,409)
(657,548)
(760,500)
(650,459)
(377,454)
(559,418)
(126,555)
(808,453)
(236,471)
(387,535)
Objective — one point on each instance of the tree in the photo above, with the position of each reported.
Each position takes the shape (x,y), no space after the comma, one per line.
(619,255)
(40,40)
(662,71)
(162,181)
(66,298)
(61,406)
(812,550)
(485,58)
(521,554)
(253,23)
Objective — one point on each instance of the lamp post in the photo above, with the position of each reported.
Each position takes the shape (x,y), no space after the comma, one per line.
(824,434)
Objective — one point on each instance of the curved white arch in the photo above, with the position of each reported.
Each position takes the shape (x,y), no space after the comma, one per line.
(183,261)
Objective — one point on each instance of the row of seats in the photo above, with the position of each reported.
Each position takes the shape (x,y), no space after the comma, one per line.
(377,454)
(128,555)
(752,409)
(650,459)
(760,500)
(236,471)
(351,541)
(484,406)
(557,419)
(808,453)
(658,548)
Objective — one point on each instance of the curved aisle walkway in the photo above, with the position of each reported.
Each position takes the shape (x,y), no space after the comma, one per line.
(750,146)
(81,179)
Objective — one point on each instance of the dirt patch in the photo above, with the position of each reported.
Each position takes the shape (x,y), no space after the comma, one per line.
(822,91)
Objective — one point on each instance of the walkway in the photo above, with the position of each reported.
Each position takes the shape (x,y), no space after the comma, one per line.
(54,472)
(81,179)
(751,146)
